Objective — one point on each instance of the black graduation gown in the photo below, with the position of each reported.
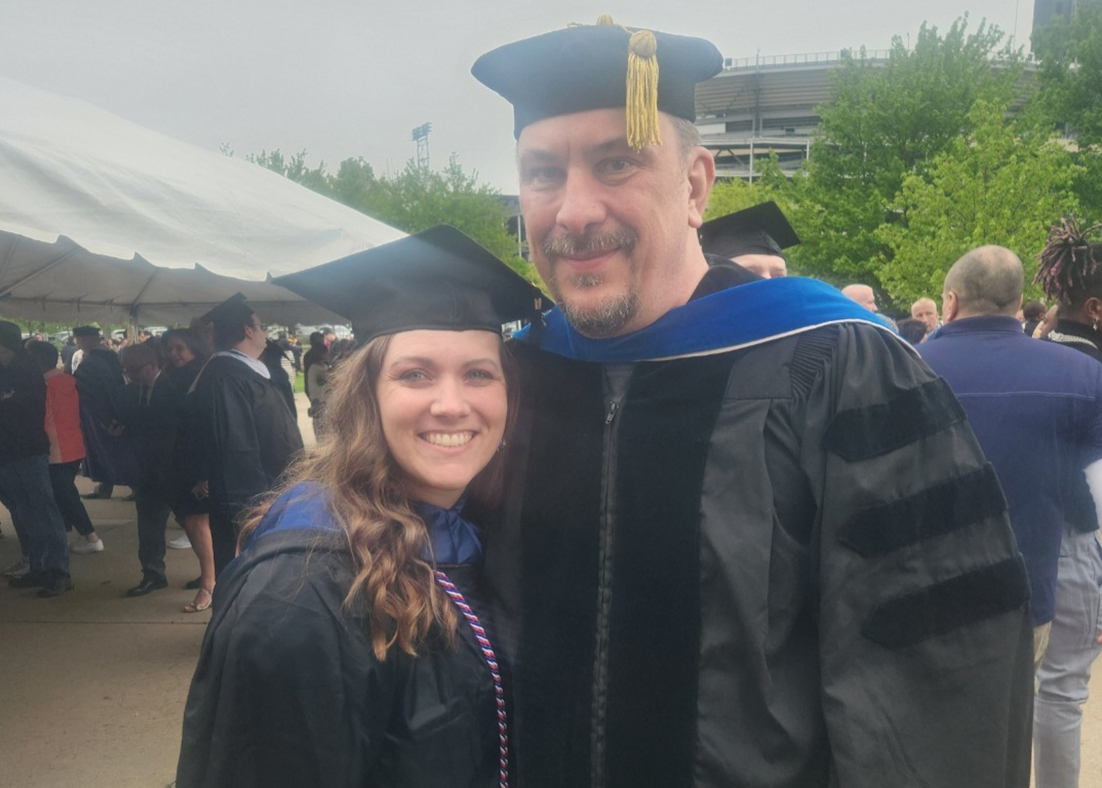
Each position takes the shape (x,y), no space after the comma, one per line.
(151,428)
(247,434)
(288,693)
(188,463)
(100,386)
(784,566)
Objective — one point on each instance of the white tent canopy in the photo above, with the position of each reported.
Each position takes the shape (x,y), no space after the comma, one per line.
(101,219)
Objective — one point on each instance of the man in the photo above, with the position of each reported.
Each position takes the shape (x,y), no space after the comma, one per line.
(1051,395)
(246,431)
(925,309)
(861,294)
(66,446)
(150,418)
(754,238)
(100,384)
(712,564)
(276,359)
(67,352)
(25,470)
(1070,275)
(1033,314)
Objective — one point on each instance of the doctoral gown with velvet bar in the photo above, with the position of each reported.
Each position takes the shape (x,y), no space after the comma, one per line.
(781,566)
(288,693)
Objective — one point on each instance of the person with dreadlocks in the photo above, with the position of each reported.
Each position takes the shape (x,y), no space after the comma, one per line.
(1070,273)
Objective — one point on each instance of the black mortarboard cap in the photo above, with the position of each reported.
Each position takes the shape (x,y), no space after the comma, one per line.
(762,229)
(86,331)
(587,67)
(233,311)
(437,279)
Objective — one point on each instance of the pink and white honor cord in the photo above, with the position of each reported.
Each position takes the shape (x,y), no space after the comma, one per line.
(491,660)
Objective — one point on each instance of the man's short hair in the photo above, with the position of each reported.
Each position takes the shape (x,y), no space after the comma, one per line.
(139,355)
(1034,310)
(987,280)
(688,136)
(923,300)
(44,354)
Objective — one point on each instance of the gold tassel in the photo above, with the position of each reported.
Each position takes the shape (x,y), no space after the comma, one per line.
(642,90)
(606,19)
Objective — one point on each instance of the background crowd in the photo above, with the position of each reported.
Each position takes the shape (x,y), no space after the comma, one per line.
(127,411)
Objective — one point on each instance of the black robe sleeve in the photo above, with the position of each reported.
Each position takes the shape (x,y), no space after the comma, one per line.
(924,632)
(233,437)
(287,692)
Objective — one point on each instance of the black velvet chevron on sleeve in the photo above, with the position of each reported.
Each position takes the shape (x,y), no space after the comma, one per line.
(864,433)
(942,607)
(929,513)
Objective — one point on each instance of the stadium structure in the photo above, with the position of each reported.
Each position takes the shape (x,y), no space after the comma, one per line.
(762,105)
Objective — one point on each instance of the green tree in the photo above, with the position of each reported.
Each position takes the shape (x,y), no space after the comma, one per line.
(735,194)
(294,169)
(887,122)
(413,200)
(1004,183)
(1071,93)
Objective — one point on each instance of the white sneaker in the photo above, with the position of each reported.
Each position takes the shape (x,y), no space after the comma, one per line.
(18,569)
(179,543)
(84,546)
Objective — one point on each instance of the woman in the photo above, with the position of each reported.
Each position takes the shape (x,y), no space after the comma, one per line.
(317,353)
(185,355)
(66,446)
(351,643)
(317,386)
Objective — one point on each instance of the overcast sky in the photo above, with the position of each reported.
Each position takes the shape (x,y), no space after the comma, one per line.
(343,78)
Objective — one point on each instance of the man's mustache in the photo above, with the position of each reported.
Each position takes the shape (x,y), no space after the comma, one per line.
(573,245)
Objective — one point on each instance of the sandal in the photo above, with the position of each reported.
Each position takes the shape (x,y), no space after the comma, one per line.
(198,607)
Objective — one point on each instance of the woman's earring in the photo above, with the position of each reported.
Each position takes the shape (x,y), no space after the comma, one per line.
(1094,325)
(501,446)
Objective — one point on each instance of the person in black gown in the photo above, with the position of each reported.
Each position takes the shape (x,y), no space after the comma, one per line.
(185,355)
(351,642)
(245,431)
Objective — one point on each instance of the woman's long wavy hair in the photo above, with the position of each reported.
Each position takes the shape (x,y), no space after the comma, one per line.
(368,499)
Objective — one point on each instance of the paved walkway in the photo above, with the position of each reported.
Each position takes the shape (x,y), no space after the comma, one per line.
(92,684)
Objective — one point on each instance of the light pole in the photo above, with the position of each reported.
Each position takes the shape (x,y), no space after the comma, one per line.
(421,137)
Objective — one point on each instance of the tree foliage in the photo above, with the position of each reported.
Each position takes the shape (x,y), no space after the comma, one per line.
(1071,71)
(772,184)
(415,199)
(1071,94)
(1003,183)
(885,124)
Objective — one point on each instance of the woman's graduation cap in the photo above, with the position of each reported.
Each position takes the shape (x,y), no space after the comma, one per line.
(601,66)
(762,229)
(437,279)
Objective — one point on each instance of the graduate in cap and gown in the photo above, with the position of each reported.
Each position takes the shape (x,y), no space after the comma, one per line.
(351,643)
(101,386)
(747,538)
(245,434)
(754,238)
